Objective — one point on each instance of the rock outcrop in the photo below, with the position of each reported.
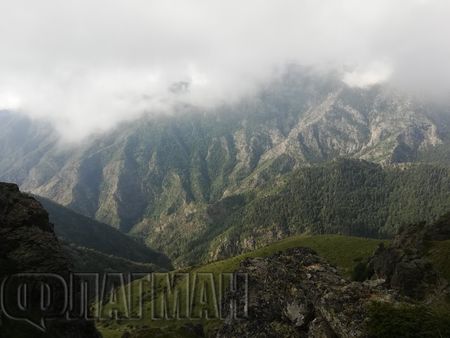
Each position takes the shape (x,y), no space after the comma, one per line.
(403,265)
(28,244)
(298,294)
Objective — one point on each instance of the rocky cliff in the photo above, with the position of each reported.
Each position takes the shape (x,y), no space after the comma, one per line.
(28,244)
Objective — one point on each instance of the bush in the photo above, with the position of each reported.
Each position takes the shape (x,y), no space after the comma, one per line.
(360,272)
(388,321)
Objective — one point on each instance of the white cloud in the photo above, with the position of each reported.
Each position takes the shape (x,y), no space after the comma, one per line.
(89,64)
(9,101)
(372,74)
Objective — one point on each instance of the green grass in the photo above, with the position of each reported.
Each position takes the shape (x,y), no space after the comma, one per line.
(342,251)
(415,321)
(439,254)
(110,333)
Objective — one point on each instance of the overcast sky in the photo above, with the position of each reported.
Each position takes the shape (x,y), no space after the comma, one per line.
(87,64)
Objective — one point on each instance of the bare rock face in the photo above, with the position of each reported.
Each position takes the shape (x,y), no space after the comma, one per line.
(298,294)
(28,244)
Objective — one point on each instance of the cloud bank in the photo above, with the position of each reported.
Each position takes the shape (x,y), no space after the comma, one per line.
(88,64)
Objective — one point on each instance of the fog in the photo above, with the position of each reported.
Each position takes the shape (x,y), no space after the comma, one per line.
(86,65)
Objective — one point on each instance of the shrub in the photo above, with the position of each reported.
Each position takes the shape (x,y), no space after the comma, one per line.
(388,321)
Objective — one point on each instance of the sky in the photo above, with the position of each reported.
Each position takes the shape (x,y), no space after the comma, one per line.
(87,65)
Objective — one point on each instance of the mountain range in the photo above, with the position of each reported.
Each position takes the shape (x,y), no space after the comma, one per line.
(205,183)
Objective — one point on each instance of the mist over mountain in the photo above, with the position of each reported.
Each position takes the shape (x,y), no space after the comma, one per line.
(87,67)
(155,177)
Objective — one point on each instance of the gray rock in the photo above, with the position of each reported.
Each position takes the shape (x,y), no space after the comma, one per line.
(298,294)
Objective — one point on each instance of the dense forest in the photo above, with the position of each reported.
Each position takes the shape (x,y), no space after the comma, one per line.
(351,197)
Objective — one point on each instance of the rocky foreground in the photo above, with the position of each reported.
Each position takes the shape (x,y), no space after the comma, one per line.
(298,294)
(396,292)
(404,265)
(28,244)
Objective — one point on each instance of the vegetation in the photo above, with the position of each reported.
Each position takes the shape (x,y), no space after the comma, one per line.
(353,197)
(350,197)
(439,254)
(360,272)
(342,251)
(347,253)
(414,321)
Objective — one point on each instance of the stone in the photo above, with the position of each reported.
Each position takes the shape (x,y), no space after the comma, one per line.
(298,294)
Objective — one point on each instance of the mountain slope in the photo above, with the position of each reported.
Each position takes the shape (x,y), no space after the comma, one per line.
(161,164)
(352,197)
(85,232)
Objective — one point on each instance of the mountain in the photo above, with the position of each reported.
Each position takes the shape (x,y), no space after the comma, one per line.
(157,177)
(352,197)
(98,237)
(28,244)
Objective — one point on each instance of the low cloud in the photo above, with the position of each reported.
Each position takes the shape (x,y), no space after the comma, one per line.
(367,76)
(87,65)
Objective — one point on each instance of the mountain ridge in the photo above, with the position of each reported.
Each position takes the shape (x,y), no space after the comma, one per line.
(148,175)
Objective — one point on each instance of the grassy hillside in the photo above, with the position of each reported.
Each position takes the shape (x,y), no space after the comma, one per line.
(342,251)
(439,254)
(88,233)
